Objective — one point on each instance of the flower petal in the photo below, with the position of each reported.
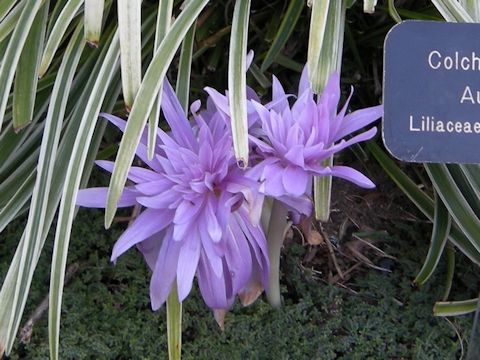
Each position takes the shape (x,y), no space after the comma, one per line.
(164,272)
(175,116)
(273,175)
(359,119)
(216,291)
(295,180)
(187,266)
(353,176)
(97,197)
(148,223)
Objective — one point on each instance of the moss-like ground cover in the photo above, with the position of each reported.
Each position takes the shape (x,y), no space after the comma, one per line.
(107,315)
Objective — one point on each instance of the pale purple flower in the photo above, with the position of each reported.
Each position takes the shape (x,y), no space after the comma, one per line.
(200,212)
(292,141)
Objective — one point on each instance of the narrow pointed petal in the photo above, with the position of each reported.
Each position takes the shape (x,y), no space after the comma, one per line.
(304,84)
(164,272)
(358,120)
(175,117)
(160,201)
(97,197)
(213,227)
(148,223)
(187,266)
(353,176)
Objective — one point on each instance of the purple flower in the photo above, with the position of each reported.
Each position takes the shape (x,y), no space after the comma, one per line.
(292,141)
(200,212)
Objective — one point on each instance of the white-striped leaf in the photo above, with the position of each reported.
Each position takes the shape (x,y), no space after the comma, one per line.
(93,20)
(129,27)
(452,11)
(36,219)
(73,177)
(58,32)
(237,82)
(164,17)
(26,78)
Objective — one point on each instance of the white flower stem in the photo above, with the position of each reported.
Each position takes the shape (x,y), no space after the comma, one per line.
(275,235)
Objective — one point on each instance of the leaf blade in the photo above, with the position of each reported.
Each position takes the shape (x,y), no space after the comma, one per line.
(237,83)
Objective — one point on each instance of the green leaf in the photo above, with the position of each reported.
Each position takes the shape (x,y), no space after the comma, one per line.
(237,82)
(129,27)
(147,96)
(70,190)
(286,28)
(454,308)
(93,20)
(452,11)
(14,49)
(10,210)
(441,229)
(472,7)
(393,11)
(456,203)
(26,79)
(184,68)
(421,200)
(8,23)
(164,16)
(58,32)
(5,7)
(450,255)
(38,208)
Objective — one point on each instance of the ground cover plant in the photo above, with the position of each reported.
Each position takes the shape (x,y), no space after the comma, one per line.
(52,133)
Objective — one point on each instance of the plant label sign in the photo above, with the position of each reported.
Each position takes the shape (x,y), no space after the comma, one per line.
(432,92)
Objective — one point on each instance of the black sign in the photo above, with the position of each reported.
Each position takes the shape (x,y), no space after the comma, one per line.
(432,92)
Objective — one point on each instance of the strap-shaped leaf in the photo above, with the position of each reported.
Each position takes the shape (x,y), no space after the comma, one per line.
(38,208)
(441,229)
(164,16)
(466,186)
(14,49)
(9,186)
(58,32)
(421,200)
(146,97)
(70,190)
(237,82)
(450,255)
(10,210)
(8,23)
(5,7)
(129,27)
(456,203)
(452,11)
(184,69)
(392,10)
(454,308)
(472,7)
(93,20)
(318,26)
(26,79)
(286,28)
